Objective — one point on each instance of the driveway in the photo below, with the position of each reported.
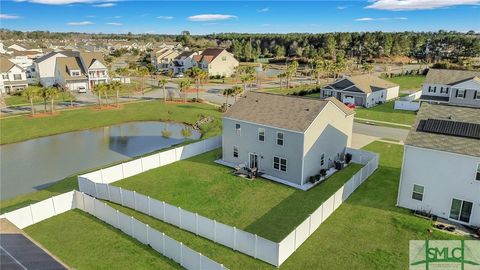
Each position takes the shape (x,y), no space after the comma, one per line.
(381,132)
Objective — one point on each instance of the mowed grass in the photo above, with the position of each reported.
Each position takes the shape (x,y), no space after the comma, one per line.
(84,242)
(22,128)
(408,82)
(386,112)
(261,206)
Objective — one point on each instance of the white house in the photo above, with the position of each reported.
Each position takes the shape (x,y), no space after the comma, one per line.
(454,87)
(441,164)
(217,62)
(285,138)
(95,67)
(162,58)
(361,90)
(45,67)
(13,77)
(183,62)
(26,64)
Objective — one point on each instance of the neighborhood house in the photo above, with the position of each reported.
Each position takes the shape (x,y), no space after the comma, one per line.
(217,62)
(362,90)
(13,77)
(441,165)
(285,138)
(453,87)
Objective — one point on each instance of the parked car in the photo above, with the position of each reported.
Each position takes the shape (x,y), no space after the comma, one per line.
(82,89)
(179,75)
(351,106)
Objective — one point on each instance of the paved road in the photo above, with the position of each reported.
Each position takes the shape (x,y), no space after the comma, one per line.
(381,132)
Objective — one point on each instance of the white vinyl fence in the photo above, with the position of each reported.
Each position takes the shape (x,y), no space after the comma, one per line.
(408,103)
(160,242)
(97,184)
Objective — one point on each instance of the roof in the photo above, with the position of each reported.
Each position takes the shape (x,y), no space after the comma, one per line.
(5,64)
(184,54)
(70,63)
(362,83)
(209,54)
(50,54)
(449,76)
(90,57)
(281,111)
(426,138)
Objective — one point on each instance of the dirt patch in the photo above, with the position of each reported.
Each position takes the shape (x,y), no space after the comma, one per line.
(105,107)
(43,115)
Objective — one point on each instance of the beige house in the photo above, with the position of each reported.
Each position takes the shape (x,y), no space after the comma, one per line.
(163,57)
(217,62)
(13,78)
(361,90)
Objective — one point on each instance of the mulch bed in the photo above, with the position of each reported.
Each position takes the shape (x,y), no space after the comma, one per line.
(43,115)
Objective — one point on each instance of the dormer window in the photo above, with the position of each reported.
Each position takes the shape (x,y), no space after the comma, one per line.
(74,73)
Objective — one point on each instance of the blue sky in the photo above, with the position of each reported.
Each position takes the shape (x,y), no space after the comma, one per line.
(202,17)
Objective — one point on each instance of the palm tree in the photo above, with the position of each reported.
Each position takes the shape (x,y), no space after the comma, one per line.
(98,90)
(30,93)
(236,90)
(227,92)
(291,71)
(162,83)
(197,74)
(318,70)
(280,76)
(123,73)
(143,72)
(52,93)
(367,67)
(116,86)
(43,94)
(183,85)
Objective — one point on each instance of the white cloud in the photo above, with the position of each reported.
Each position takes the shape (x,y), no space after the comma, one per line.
(165,17)
(369,19)
(115,17)
(263,9)
(210,17)
(8,16)
(342,7)
(90,16)
(115,23)
(80,23)
(398,5)
(104,5)
(364,19)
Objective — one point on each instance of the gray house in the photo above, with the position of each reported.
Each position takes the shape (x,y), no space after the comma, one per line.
(453,87)
(361,90)
(286,138)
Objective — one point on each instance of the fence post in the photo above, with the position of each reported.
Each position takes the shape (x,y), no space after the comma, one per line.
(123,171)
(221,265)
(131,226)
(234,238)
(179,217)
(53,204)
(295,239)
(141,163)
(31,213)
(118,219)
(121,196)
(108,193)
(148,201)
(148,230)
(96,191)
(101,175)
(181,253)
(83,201)
(135,200)
(310,225)
(94,207)
(196,223)
(163,243)
(200,261)
(164,214)
(255,247)
(214,231)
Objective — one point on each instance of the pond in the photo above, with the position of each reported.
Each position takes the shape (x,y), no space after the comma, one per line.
(34,164)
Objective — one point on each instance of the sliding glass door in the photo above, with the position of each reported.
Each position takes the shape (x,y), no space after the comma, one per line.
(461,210)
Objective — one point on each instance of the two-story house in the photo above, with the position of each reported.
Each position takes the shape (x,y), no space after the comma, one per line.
(183,62)
(45,66)
(217,62)
(95,67)
(441,164)
(70,74)
(285,138)
(454,87)
(162,58)
(12,77)
(362,90)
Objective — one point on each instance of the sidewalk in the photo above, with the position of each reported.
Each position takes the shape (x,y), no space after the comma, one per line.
(382,122)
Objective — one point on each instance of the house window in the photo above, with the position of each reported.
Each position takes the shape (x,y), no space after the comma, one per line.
(279,138)
(322,160)
(461,210)
(5,76)
(477,175)
(432,89)
(444,90)
(477,94)
(261,134)
(280,164)
(418,192)
(238,129)
(75,73)
(235,151)
(460,93)
(17,77)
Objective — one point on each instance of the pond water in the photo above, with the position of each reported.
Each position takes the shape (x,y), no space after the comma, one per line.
(34,164)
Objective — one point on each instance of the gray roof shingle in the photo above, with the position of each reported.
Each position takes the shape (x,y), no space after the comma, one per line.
(449,76)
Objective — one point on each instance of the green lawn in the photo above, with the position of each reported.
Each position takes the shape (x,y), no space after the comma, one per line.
(286,91)
(366,232)
(262,207)
(15,100)
(385,112)
(23,127)
(84,242)
(408,82)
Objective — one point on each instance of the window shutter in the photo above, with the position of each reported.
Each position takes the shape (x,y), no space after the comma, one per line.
(475,95)
(456,93)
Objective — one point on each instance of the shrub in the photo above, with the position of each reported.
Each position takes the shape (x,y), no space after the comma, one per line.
(166,133)
(348,158)
(186,132)
(317,177)
(323,172)
(311,179)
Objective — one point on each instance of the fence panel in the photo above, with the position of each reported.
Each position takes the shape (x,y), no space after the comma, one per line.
(155,238)
(208,264)
(63,202)
(89,204)
(286,247)
(316,218)
(156,209)
(172,215)
(302,232)
(112,174)
(21,217)
(111,216)
(189,221)
(151,162)
(78,200)
(128,198)
(140,231)
(100,210)
(338,198)
(206,228)
(115,195)
(167,157)
(190,150)
(245,242)
(212,143)
(172,249)
(190,258)
(224,235)
(132,168)
(42,210)
(102,191)
(141,203)
(328,208)
(95,176)
(125,223)
(267,250)
(86,185)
